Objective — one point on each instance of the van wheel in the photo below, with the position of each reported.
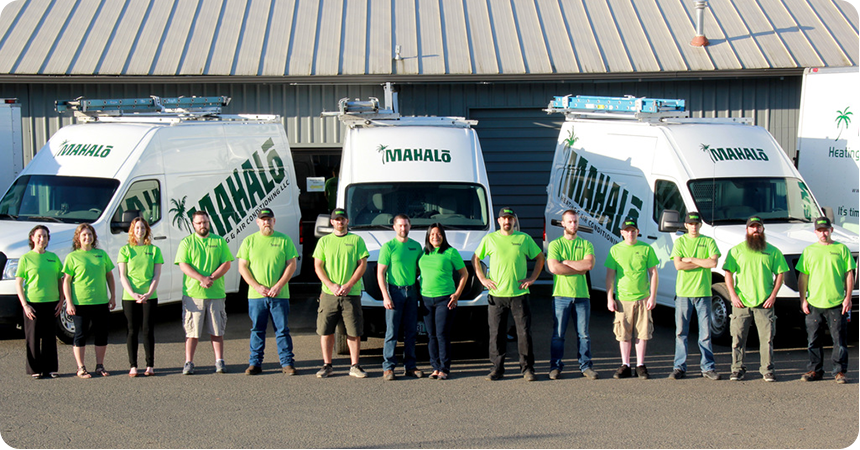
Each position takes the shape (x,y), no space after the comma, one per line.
(340,345)
(65,327)
(721,307)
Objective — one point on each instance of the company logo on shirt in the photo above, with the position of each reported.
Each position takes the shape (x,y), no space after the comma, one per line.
(413,154)
(734,153)
(73,149)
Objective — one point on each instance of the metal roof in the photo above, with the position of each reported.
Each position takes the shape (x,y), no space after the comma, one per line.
(420,39)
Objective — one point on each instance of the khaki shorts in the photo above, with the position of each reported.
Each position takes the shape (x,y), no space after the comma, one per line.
(199,315)
(333,308)
(633,321)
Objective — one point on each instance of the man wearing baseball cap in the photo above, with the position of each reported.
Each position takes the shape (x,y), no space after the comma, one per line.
(631,292)
(826,281)
(509,251)
(754,273)
(267,261)
(694,256)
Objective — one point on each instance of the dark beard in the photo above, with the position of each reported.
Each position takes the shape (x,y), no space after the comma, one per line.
(756,243)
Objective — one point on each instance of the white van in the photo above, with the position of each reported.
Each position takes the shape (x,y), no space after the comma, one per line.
(620,157)
(429,168)
(163,165)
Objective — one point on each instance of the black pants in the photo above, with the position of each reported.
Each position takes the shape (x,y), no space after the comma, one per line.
(40,334)
(91,319)
(497,318)
(140,316)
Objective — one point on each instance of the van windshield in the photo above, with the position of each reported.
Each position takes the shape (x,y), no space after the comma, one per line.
(458,206)
(734,200)
(52,198)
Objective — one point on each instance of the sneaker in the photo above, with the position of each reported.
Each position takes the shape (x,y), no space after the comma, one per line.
(738,375)
(554,374)
(677,374)
(590,373)
(811,376)
(357,371)
(416,373)
(711,375)
(642,372)
(220,367)
(529,375)
(253,370)
(388,375)
(288,369)
(841,378)
(325,372)
(188,368)
(623,372)
(495,375)
(769,377)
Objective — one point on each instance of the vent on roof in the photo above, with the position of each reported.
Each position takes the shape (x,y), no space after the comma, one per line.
(700,40)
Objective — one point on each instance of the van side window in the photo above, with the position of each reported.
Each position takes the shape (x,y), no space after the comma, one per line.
(667,196)
(143,196)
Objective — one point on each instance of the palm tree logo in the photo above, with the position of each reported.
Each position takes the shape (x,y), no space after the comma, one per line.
(571,139)
(842,121)
(381,149)
(707,149)
(180,218)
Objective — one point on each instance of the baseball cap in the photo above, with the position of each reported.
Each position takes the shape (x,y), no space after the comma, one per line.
(506,212)
(265,213)
(822,222)
(755,220)
(693,217)
(338,212)
(629,222)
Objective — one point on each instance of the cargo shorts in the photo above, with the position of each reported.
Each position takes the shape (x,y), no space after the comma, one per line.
(332,309)
(203,315)
(632,321)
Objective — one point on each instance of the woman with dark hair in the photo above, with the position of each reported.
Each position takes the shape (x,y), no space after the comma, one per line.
(89,288)
(437,266)
(139,270)
(38,283)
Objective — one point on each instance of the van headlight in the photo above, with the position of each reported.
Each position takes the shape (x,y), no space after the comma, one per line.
(10,269)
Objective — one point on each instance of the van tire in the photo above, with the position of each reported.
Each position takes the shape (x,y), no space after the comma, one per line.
(340,345)
(721,308)
(65,327)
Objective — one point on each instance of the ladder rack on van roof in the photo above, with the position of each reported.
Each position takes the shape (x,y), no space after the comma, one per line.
(627,107)
(367,113)
(190,107)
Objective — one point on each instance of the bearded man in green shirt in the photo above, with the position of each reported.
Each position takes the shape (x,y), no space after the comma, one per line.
(754,274)
(826,282)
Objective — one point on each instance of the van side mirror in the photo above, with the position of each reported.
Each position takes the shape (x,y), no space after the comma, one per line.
(828,212)
(670,221)
(323,226)
(125,222)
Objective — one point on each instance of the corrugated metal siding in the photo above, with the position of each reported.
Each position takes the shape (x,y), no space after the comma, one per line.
(325,38)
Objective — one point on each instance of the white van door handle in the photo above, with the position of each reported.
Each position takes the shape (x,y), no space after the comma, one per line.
(158,238)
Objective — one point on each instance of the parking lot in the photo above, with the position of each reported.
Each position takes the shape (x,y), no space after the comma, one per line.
(275,411)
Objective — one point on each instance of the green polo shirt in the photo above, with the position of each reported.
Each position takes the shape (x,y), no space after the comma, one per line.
(341,255)
(205,255)
(826,266)
(694,282)
(267,258)
(437,272)
(754,272)
(41,273)
(508,256)
(88,270)
(140,263)
(631,264)
(402,261)
(575,249)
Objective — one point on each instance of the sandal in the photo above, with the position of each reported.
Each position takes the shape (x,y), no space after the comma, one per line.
(100,369)
(434,375)
(36,376)
(443,376)
(132,373)
(149,372)
(82,372)
(53,375)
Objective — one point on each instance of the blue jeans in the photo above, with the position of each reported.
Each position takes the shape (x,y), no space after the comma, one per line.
(438,322)
(279,309)
(564,307)
(683,314)
(405,313)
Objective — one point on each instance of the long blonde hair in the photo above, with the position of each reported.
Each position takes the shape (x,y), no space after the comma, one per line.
(147,238)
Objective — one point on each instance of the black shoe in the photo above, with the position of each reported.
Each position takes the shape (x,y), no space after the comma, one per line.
(495,375)
(623,372)
(642,372)
(677,374)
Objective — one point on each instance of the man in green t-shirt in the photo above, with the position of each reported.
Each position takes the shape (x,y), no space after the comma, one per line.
(754,273)
(267,261)
(694,256)
(396,274)
(509,251)
(631,293)
(569,258)
(340,260)
(204,259)
(826,283)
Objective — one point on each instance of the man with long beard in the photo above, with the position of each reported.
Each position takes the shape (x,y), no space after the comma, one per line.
(754,274)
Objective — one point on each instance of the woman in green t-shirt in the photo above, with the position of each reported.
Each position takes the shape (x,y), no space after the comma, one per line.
(437,266)
(89,287)
(37,282)
(139,270)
